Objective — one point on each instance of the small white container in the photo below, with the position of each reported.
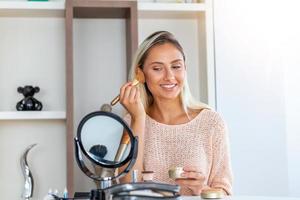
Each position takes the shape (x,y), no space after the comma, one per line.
(147,175)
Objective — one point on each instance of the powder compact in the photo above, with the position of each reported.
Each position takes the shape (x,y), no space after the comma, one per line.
(175,172)
(212,194)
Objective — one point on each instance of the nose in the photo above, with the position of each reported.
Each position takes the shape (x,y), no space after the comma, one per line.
(169,75)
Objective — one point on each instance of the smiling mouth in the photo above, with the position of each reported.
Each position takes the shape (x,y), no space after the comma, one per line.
(168,86)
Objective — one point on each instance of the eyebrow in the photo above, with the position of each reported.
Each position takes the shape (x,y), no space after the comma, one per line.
(174,61)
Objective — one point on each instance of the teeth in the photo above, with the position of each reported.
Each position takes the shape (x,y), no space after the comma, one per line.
(168,85)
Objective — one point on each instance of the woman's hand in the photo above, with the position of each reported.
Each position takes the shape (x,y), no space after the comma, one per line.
(131,100)
(193,180)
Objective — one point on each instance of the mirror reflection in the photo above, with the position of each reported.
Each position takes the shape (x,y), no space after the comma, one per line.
(104,138)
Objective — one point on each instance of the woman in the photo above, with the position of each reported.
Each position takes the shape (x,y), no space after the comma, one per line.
(173,129)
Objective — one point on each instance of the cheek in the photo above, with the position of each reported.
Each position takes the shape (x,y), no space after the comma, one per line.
(151,84)
(152,78)
(150,81)
(181,77)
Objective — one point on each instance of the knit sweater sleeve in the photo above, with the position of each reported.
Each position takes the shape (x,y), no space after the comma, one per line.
(221,174)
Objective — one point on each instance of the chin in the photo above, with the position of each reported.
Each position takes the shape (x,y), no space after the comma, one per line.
(171,97)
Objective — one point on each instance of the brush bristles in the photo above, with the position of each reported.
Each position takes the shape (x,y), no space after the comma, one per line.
(135,82)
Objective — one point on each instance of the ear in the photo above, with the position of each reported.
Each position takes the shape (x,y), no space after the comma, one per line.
(36,89)
(20,89)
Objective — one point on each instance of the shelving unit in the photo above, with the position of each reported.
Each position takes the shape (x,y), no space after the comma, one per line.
(31,5)
(141,18)
(32,52)
(32,115)
(32,9)
(181,7)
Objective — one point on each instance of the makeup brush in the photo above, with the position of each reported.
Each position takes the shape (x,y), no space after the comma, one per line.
(139,78)
(122,147)
(125,140)
(99,150)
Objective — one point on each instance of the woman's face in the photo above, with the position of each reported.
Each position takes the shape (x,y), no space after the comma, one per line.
(164,71)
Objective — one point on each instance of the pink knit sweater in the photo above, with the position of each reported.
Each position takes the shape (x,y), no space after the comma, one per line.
(201,142)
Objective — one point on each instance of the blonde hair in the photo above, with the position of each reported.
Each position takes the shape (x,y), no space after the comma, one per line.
(158,38)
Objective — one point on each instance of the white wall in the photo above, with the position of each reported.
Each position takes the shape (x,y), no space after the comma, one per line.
(257,80)
(291,62)
(99,72)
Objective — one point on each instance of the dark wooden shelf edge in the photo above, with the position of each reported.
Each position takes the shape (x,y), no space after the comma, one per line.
(102,9)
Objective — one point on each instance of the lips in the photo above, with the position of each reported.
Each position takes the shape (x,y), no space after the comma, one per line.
(168,86)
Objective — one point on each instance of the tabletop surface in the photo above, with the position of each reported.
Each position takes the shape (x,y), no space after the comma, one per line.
(244,198)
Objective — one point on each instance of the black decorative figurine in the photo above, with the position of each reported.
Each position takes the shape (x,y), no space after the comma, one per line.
(29,103)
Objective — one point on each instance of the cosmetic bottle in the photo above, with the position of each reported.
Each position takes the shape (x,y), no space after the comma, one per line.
(49,195)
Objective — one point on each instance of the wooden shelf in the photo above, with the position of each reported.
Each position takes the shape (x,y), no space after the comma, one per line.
(32,9)
(186,7)
(32,115)
(57,8)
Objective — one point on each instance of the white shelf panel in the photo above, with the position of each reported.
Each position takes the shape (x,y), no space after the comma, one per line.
(32,8)
(25,115)
(57,8)
(188,7)
(49,5)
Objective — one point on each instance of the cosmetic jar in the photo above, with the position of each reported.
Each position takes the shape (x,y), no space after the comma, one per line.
(147,175)
(212,194)
(175,172)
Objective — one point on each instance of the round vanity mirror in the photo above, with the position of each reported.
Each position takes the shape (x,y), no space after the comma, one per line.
(106,140)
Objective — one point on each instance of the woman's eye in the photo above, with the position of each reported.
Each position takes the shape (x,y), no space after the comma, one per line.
(157,68)
(176,66)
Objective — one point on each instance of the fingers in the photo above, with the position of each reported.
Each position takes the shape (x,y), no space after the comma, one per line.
(193,175)
(128,93)
(137,94)
(192,172)
(191,169)
(122,91)
(192,179)
(195,186)
(189,182)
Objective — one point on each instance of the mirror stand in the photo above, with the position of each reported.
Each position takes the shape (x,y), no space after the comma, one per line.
(109,144)
(105,184)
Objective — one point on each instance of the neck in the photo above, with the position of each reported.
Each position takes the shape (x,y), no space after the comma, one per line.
(167,111)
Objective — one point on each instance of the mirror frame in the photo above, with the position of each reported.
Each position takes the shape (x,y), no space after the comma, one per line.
(102,162)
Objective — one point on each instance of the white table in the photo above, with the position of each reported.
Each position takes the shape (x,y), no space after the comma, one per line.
(244,198)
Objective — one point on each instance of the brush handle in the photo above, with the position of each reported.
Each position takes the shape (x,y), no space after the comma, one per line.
(125,138)
(120,152)
(115,100)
